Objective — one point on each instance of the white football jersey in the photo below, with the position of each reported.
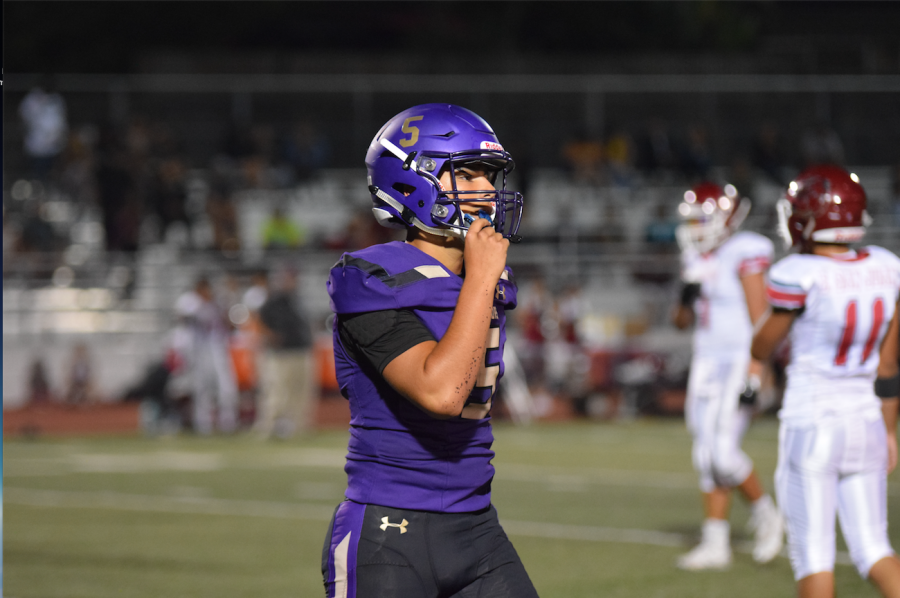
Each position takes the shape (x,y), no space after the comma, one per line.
(722,321)
(847,302)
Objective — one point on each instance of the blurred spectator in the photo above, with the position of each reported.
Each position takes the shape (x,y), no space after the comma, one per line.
(306,150)
(77,174)
(611,230)
(175,397)
(238,143)
(741,176)
(163,141)
(39,391)
(571,308)
(117,192)
(257,167)
(895,193)
(158,414)
(821,145)
(659,235)
(258,291)
(231,294)
(137,138)
(250,332)
(244,344)
(362,231)
(768,154)
(81,384)
(166,192)
(563,352)
(656,150)
(620,158)
(660,231)
(214,386)
(43,113)
(288,381)
(251,149)
(695,156)
(279,232)
(534,300)
(37,234)
(583,156)
(162,383)
(221,209)
(223,217)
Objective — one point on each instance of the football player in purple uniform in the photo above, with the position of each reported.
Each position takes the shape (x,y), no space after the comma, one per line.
(418,340)
(837,440)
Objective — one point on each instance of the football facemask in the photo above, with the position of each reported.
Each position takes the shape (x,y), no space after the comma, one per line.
(710,214)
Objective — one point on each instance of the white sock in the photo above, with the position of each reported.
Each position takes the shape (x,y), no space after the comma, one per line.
(762,505)
(716,531)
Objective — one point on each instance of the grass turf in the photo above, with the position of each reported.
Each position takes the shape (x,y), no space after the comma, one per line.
(593,509)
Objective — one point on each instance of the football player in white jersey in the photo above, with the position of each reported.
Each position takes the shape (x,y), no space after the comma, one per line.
(834,303)
(723,296)
(887,384)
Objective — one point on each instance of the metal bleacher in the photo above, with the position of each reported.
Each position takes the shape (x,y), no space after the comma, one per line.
(122,306)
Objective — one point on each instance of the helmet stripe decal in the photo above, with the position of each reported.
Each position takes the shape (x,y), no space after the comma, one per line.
(398,152)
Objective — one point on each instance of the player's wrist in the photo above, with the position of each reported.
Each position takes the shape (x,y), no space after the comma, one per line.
(484,276)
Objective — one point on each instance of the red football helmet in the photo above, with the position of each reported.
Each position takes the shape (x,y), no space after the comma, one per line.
(709,214)
(824,204)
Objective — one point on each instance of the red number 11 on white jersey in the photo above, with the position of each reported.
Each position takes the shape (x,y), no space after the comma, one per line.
(850,331)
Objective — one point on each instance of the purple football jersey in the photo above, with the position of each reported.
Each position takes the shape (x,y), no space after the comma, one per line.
(398,455)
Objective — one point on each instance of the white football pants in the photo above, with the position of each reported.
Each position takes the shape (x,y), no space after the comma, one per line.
(215,388)
(838,466)
(717,421)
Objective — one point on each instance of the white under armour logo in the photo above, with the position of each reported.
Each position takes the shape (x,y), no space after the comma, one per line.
(386,524)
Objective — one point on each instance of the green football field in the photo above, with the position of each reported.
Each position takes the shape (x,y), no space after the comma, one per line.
(593,509)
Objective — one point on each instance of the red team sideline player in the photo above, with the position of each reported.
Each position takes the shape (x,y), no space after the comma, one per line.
(834,303)
(724,295)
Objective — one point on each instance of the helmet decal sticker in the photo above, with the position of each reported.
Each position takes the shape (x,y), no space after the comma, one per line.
(413,131)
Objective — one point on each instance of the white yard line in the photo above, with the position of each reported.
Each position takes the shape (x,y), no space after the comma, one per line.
(166,504)
(571,479)
(606,477)
(312,512)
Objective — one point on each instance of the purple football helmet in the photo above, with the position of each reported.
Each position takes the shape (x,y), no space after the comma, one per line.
(413,149)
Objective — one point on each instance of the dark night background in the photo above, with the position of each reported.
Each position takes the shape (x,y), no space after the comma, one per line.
(120,37)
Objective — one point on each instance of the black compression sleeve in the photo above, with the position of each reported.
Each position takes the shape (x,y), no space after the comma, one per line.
(689,293)
(378,337)
(888,388)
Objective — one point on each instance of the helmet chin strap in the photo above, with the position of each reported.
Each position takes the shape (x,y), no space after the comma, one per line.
(441,232)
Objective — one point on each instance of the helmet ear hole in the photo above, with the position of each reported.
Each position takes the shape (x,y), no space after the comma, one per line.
(403,188)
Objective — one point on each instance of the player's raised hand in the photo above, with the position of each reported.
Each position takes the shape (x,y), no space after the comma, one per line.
(485,251)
